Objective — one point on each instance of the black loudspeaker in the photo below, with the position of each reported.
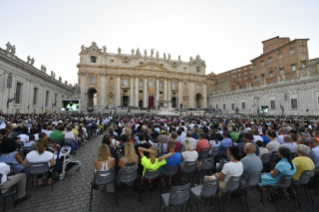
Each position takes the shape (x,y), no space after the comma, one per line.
(307,110)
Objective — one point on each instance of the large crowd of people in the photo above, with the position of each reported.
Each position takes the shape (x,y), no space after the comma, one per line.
(144,142)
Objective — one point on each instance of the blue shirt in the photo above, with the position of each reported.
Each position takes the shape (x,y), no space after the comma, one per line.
(224,144)
(316,151)
(265,140)
(175,159)
(283,168)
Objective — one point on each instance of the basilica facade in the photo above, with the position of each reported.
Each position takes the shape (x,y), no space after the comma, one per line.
(139,79)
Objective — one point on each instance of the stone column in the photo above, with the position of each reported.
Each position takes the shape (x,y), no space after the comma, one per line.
(165,91)
(191,95)
(84,91)
(136,91)
(102,91)
(145,93)
(169,93)
(180,94)
(204,96)
(131,103)
(118,91)
(157,93)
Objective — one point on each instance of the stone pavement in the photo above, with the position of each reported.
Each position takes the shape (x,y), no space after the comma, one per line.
(73,193)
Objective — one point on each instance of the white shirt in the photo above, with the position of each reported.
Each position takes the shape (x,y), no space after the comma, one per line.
(190,156)
(280,139)
(257,138)
(4,170)
(34,157)
(23,137)
(273,146)
(214,144)
(192,140)
(69,135)
(232,169)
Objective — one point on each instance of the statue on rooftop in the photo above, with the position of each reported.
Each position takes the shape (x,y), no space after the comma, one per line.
(29,59)
(8,47)
(152,52)
(32,61)
(13,50)
(119,50)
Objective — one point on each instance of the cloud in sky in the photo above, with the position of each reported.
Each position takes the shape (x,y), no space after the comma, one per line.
(226,34)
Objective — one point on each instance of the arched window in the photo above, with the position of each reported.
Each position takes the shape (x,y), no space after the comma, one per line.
(92,80)
(141,84)
(125,82)
(174,85)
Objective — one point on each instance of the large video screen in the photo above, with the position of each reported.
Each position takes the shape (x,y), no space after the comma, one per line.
(264,109)
(70,105)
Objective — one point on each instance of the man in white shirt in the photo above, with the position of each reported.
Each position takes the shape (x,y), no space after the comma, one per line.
(23,137)
(281,135)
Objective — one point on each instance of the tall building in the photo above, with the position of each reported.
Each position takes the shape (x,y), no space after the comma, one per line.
(139,80)
(282,79)
(26,89)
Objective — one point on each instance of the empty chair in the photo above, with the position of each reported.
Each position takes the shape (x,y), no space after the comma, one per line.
(39,169)
(253,180)
(233,184)
(179,195)
(208,189)
(303,182)
(103,178)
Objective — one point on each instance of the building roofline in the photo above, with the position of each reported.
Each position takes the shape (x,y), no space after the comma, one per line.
(279,48)
(270,39)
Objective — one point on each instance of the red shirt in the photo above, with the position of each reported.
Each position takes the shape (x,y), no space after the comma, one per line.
(202,144)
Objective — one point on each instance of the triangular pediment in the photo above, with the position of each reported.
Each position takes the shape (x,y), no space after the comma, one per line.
(151,66)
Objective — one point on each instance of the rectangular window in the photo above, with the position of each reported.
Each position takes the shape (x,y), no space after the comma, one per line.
(47,98)
(224,107)
(313,69)
(280,56)
(294,104)
(35,93)
(302,49)
(18,93)
(281,71)
(303,65)
(262,63)
(233,106)
(245,78)
(93,59)
(293,68)
(272,104)
(243,105)
(216,106)
(197,69)
(292,51)
(269,60)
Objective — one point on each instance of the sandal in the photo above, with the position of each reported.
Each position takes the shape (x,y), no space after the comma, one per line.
(42,184)
(18,201)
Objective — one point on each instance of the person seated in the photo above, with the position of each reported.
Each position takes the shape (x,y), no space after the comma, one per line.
(69,134)
(213,142)
(178,144)
(10,154)
(191,139)
(113,149)
(175,158)
(30,141)
(225,143)
(256,135)
(41,155)
(202,143)
(130,156)
(302,162)
(34,145)
(161,145)
(284,166)
(273,145)
(289,143)
(104,161)
(94,129)
(24,137)
(190,154)
(57,134)
(151,163)
(20,180)
(248,138)
(262,150)
(251,162)
(234,168)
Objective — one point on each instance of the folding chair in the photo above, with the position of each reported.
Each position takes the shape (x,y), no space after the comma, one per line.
(40,168)
(179,195)
(208,189)
(303,182)
(232,185)
(253,180)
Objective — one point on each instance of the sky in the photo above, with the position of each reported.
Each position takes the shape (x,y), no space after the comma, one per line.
(226,34)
